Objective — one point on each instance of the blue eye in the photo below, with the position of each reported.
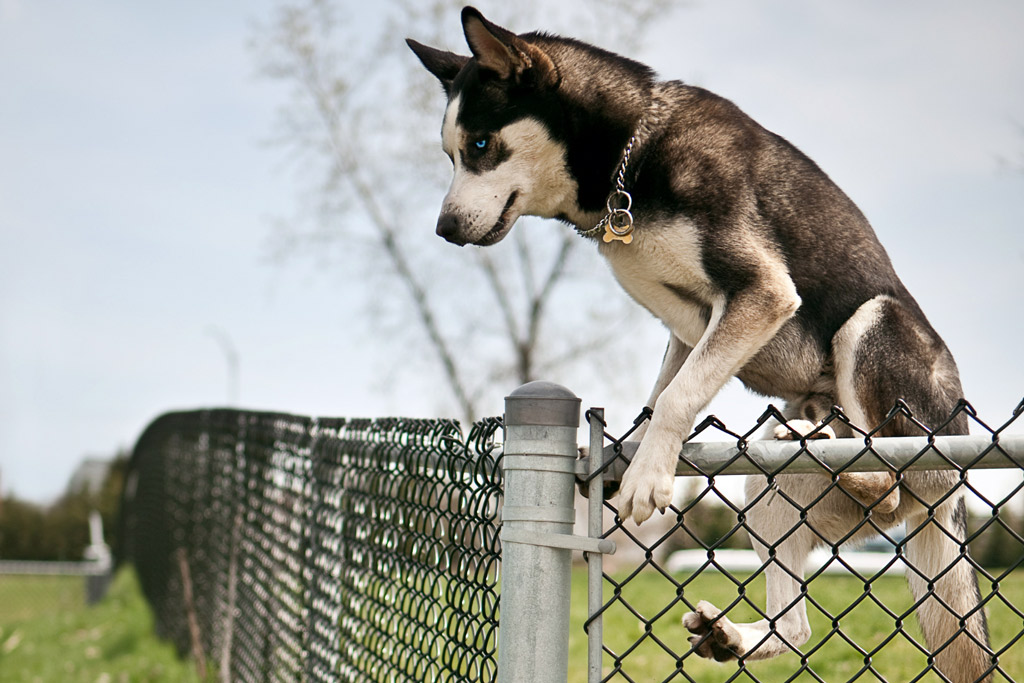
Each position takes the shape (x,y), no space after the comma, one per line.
(480,144)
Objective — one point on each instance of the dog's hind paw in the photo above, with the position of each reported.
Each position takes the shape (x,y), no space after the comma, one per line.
(610,488)
(802,429)
(876,491)
(714,636)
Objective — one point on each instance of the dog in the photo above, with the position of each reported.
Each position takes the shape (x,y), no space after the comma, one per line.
(759,266)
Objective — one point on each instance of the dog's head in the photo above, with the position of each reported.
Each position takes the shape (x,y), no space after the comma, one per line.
(499,131)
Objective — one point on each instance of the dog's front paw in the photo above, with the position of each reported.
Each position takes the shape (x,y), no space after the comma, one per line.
(644,490)
(714,636)
(801,429)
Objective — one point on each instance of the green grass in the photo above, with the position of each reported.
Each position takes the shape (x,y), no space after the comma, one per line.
(47,633)
(829,654)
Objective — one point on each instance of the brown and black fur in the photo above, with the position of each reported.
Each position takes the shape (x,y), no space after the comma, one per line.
(761,268)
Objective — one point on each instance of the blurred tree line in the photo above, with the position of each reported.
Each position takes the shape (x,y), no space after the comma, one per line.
(60,531)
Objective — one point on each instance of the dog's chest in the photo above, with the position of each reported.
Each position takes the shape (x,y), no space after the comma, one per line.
(662,270)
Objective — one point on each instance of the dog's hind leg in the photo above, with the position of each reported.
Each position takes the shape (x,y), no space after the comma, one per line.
(945,586)
(886,352)
(782,542)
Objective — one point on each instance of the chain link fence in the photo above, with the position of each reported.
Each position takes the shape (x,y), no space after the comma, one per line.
(684,589)
(279,548)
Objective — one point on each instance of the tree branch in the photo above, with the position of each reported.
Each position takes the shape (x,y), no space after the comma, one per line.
(345,167)
(543,295)
(500,294)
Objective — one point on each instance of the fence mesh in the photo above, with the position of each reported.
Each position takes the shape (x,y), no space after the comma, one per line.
(695,584)
(281,548)
(285,548)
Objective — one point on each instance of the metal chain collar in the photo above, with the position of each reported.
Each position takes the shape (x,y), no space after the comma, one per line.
(618,222)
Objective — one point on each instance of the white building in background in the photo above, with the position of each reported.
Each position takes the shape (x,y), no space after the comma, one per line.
(89,475)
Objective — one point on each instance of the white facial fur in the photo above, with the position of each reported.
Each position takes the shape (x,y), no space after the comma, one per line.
(535,170)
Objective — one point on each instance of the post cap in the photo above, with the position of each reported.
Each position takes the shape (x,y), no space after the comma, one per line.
(542,403)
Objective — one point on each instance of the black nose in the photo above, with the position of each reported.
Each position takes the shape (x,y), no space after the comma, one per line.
(449,227)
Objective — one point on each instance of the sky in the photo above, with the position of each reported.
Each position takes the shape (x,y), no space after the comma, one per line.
(138,195)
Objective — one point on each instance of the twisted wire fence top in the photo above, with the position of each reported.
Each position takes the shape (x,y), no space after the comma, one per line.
(320,549)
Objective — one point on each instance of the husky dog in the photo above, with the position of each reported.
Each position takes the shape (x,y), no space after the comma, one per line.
(759,266)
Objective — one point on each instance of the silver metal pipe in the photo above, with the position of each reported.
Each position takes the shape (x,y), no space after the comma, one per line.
(541,420)
(595,564)
(903,453)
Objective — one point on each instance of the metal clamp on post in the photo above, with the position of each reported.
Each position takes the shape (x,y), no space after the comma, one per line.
(509,513)
(583,544)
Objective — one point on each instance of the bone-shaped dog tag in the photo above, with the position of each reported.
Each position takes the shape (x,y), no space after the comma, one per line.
(619,226)
(610,236)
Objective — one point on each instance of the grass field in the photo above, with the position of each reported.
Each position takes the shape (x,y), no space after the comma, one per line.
(48,634)
(831,656)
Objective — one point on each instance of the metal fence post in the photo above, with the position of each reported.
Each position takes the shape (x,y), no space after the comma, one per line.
(595,561)
(541,419)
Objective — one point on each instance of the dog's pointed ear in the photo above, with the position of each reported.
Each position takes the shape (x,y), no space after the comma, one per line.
(444,65)
(500,51)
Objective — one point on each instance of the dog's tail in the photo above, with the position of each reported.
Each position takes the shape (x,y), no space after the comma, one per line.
(945,586)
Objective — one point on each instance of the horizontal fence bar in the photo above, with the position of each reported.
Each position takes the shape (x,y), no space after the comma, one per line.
(29,567)
(822,455)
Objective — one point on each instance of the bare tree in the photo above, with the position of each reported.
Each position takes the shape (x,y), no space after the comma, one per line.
(362,120)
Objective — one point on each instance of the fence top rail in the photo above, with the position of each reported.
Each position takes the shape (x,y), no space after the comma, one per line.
(31,567)
(899,453)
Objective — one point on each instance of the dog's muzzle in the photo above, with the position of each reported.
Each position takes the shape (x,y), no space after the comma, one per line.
(449,226)
(452,226)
